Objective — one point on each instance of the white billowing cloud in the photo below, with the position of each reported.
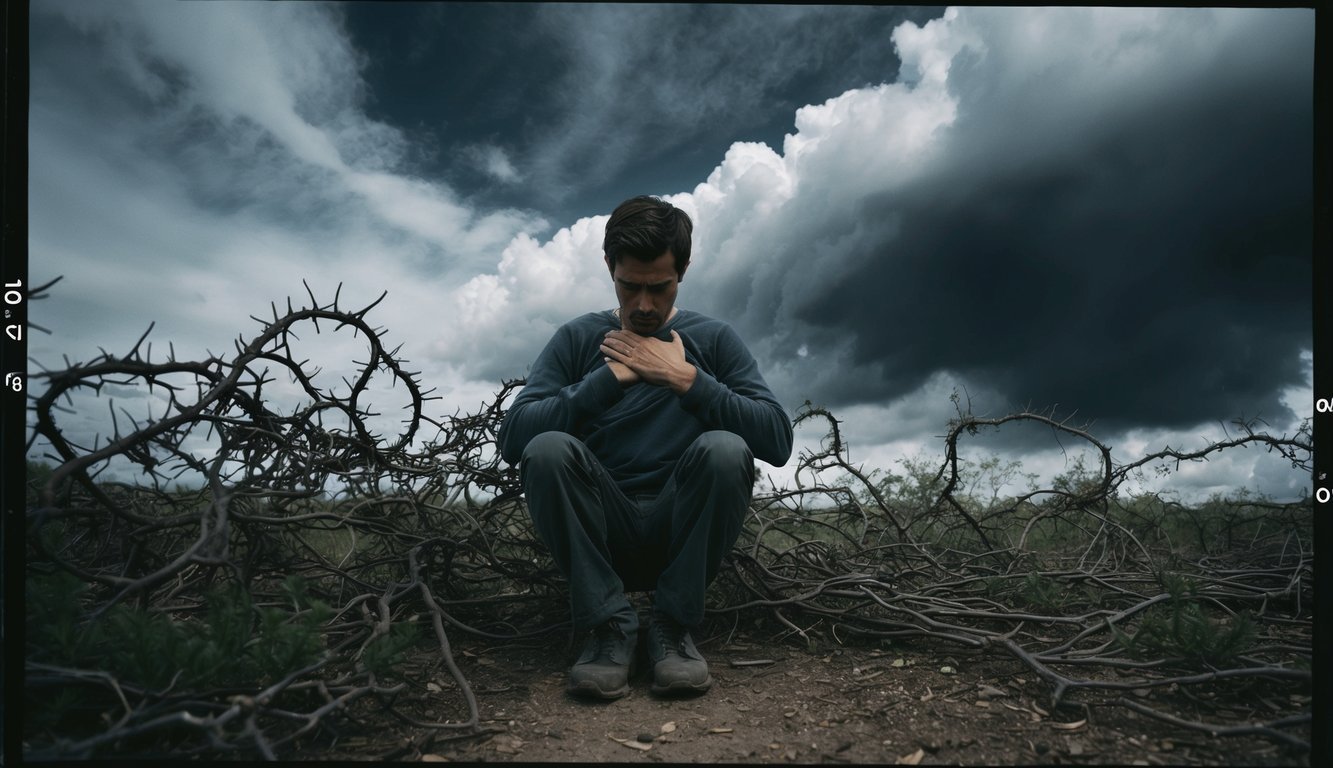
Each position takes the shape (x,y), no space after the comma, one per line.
(499,321)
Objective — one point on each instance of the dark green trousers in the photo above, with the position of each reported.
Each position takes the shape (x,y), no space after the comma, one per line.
(606,543)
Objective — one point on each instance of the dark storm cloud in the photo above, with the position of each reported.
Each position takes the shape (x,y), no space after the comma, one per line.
(1148,265)
(592,103)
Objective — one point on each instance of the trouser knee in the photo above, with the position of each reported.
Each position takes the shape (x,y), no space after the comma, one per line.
(548,453)
(721,454)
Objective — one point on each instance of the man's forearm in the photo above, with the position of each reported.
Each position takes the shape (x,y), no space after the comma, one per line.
(541,409)
(760,421)
(680,380)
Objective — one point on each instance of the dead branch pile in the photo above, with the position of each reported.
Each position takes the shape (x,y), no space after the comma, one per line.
(269,566)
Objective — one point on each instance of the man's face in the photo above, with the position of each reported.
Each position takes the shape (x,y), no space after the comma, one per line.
(646,290)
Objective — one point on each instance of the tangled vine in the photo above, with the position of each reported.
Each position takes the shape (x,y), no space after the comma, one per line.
(265,574)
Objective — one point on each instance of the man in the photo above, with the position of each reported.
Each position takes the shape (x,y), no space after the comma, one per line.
(635,437)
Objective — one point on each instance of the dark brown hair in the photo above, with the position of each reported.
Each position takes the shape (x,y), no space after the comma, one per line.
(646,227)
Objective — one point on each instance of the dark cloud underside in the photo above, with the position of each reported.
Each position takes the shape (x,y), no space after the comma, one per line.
(1160,276)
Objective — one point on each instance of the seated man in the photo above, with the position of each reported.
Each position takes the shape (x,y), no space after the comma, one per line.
(635,438)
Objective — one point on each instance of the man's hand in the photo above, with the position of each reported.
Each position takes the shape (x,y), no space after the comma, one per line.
(624,375)
(649,359)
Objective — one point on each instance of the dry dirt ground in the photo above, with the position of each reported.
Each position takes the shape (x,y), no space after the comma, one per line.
(774,701)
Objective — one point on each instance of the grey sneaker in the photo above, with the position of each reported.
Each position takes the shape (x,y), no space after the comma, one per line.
(678,667)
(603,668)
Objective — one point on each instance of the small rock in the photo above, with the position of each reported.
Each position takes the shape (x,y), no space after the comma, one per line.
(1042,748)
(645,738)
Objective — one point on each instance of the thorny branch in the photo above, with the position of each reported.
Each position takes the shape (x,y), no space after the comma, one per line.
(418,536)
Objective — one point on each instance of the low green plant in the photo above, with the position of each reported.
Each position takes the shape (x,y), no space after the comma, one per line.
(287,640)
(1043,592)
(1182,628)
(385,652)
(54,604)
(233,644)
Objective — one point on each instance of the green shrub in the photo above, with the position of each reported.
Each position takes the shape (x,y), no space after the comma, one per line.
(386,651)
(233,644)
(1042,592)
(1182,628)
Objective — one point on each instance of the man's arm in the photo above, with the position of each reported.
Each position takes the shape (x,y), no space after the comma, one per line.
(738,400)
(555,398)
(645,358)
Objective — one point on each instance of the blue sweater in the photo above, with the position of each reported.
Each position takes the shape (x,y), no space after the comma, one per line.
(639,432)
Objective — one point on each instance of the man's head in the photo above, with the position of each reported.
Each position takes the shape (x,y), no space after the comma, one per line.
(647,249)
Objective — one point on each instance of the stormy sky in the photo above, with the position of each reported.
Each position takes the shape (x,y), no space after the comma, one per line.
(1105,212)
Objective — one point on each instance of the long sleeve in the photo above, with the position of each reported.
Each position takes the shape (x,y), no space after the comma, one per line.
(557,396)
(640,431)
(735,397)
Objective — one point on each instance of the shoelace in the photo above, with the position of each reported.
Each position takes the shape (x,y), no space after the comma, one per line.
(606,641)
(673,635)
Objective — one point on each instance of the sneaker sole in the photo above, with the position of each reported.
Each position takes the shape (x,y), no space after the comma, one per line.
(680,687)
(588,689)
